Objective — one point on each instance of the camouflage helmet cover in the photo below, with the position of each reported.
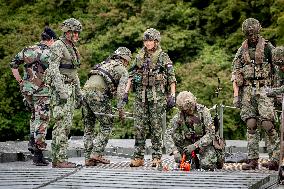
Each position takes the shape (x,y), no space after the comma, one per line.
(152,34)
(251,26)
(278,56)
(123,52)
(71,24)
(185,100)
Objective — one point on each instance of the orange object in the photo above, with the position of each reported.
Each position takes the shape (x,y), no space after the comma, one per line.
(184,165)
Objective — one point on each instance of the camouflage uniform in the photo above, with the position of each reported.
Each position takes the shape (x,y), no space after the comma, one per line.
(195,129)
(106,80)
(278,60)
(65,89)
(152,74)
(253,72)
(34,89)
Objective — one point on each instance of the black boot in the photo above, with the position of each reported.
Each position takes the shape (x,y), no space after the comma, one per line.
(38,159)
(31,144)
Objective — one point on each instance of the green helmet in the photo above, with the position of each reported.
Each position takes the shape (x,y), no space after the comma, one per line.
(123,52)
(152,34)
(278,56)
(251,26)
(185,100)
(71,24)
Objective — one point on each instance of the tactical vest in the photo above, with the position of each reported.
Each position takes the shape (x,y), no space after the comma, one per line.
(150,73)
(36,62)
(107,71)
(256,72)
(71,56)
(192,127)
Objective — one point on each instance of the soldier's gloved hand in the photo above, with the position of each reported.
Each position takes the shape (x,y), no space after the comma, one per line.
(177,157)
(189,149)
(63,97)
(171,101)
(125,98)
(237,102)
(121,115)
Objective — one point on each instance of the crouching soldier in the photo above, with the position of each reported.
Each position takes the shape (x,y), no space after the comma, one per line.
(106,80)
(192,130)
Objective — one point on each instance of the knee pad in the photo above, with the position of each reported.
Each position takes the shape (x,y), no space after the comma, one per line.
(252,125)
(268,126)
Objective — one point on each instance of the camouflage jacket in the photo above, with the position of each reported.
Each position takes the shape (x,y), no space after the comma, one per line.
(279,83)
(109,77)
(197,129)
(152,71)
(64,61)
(253,65)
(35,60)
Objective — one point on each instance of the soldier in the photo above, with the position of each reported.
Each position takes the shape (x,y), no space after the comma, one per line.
(65,89)
(152,75)
(278,60)
(192,129)
(252,73)
(107,79)
(36,91)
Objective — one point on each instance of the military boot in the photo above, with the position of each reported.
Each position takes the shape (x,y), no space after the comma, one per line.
(156,162)
(38,158)
(90,162)
(100,159)
(137,162)
(31,144)
(271,165)
(64,164)
(251,164)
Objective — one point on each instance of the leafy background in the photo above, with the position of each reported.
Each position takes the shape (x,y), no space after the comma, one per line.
(200,36)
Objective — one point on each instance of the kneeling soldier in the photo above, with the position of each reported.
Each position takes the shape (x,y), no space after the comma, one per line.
(192,129)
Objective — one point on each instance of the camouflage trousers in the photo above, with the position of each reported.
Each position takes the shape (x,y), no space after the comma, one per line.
(148,119)
(62,113)
(273,145)
(39,106)
(208,157)
(96,102)
(257,105)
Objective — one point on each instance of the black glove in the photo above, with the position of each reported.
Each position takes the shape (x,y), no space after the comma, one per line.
(121,115)
(171,101)
(125,98)
(79,102)
(189,149)
(237,102)
(177,157)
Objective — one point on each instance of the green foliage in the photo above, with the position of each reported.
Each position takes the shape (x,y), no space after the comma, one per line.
(200,37)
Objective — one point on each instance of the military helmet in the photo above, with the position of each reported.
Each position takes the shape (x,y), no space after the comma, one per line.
(185,100)
(71,24)
(251,26)
(278,56)
(152,34)
(123,52)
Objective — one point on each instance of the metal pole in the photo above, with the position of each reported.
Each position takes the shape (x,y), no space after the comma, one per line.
(221,111)
(164,126)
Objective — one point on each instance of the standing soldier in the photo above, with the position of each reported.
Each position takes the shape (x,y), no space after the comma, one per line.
(152,75)
(252,73)
(192,129)
(278,60)
(107,80)
(35,90)
(65,89)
